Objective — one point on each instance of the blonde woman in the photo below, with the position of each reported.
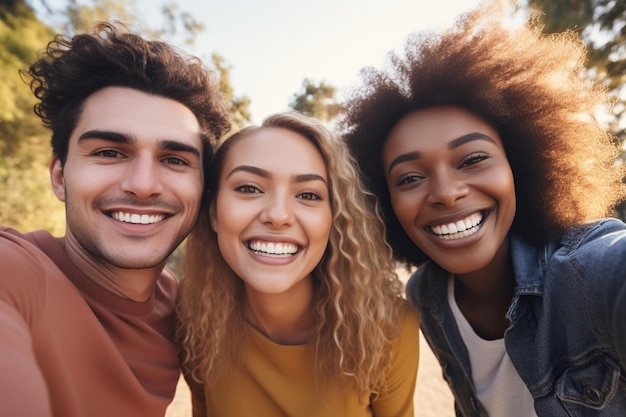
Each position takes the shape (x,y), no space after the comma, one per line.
(290,305)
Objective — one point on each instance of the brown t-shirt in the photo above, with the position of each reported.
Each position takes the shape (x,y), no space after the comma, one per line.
(69,348)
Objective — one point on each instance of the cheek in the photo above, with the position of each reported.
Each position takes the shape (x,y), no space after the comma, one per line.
(228,226)
(319,227)
(405,207)
(228,216)
(189,189)
(85,186)
(506,191)
(511,206)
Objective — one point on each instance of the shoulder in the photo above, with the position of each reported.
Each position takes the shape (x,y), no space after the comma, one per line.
(25,274)
(407,315)
(11,237)
(607,232)
(599,245)
(405,349)
(408,327)
(20,256)
(592,260)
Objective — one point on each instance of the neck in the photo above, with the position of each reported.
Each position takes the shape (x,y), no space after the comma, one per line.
(285,319)
(133,284)
(484,297)
(495,281)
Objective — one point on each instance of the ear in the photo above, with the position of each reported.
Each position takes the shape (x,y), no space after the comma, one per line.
(56,178)
(213,217)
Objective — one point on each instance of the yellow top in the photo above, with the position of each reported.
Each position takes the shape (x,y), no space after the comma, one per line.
(277,380)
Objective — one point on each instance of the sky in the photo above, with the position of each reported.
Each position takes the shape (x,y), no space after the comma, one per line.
(273,45)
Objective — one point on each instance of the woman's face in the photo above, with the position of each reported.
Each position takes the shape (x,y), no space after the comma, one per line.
(272,212)
(451,186)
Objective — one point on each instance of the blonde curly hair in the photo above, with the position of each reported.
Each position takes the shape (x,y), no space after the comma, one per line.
(356,289)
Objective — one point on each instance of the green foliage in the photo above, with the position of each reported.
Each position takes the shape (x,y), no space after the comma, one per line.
(190,26)
(81,17)
(602,26)
(239,107)
(317,100)
(27,201)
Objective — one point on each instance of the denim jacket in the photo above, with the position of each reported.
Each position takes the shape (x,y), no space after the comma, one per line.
(567,332)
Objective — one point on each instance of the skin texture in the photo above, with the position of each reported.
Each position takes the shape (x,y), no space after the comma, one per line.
(445,166)
(274,198)
(137,154)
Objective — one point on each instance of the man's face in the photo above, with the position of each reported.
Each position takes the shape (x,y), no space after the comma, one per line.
(133,179)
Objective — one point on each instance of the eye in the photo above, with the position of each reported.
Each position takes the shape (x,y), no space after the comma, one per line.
(175,161)
(473,159)
(409,179)
(309,196)
(248,189)
(109,153)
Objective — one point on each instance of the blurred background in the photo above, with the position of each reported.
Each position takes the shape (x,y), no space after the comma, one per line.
(271,56)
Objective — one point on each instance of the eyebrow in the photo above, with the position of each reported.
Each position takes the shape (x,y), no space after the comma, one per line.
(266,174)
(121,138)
(405,157)
(412,156)
(469,138)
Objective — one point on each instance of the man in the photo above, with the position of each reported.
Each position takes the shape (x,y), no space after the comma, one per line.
(87,320)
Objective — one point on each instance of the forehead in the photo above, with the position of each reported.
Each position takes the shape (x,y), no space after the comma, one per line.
(438,126)
(278,149)
(139,114)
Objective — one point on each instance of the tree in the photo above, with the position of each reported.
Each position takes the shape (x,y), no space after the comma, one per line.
(239,107)
(27,200)
(317,100)
(602,26)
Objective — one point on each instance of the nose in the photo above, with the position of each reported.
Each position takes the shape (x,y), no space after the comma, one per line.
(278,211)
(446,188)
(142,178)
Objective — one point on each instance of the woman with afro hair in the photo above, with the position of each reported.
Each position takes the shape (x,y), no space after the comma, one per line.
(495,180)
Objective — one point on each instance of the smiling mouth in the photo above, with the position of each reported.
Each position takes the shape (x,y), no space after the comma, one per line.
(135,218)
(460,229)
(273,249)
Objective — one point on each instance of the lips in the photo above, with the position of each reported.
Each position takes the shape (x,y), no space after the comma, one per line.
(459,229)
(273,249)
(135,218)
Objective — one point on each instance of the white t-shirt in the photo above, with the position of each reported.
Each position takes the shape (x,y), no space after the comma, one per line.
(498,385)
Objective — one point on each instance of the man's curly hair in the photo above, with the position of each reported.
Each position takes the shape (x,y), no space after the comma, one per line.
(70,69)
(530,86)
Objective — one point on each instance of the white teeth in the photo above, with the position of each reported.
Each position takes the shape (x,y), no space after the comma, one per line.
(460,229)
(273,249)
(137,218)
